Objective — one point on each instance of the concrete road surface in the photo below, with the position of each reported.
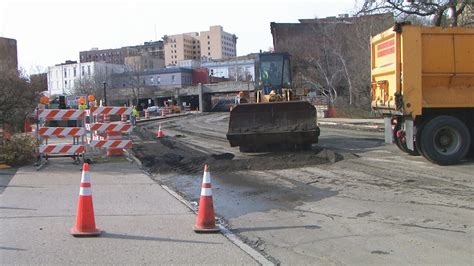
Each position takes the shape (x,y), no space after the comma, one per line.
(143,223)
(368,203)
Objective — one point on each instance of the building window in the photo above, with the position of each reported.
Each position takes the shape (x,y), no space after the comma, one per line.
(208,37)
(208,48)
(208,53)
(74,72)
(208,42)
(172,79)
(65,73)
(82,70)
(89,70)
(158,80)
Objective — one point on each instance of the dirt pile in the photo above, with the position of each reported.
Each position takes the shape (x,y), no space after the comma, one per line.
(170,155)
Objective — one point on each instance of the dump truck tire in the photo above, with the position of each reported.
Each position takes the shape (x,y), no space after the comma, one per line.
(445,140)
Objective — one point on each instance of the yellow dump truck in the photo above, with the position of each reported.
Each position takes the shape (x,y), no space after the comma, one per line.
(423,84)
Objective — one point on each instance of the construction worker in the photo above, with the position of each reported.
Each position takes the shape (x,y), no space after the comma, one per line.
(133,116)
(237,98)
(82,107)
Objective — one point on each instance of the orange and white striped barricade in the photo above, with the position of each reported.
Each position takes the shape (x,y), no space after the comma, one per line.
(109,110)
(112,131)
(75,150)
(61,132)
(102,127)
(62,149)
(119,143)
(112,110)
(165,111)
(114,135)
(61,114)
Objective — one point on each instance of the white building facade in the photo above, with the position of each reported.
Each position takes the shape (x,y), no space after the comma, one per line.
(67,78)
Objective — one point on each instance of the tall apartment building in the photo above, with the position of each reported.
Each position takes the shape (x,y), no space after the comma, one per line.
(212,44)
(8,55)
(69,77)
(218,44)
(182,47)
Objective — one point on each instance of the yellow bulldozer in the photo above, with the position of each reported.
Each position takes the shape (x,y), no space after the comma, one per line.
(277,119)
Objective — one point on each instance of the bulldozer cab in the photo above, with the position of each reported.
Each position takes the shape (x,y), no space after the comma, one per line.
(273,72)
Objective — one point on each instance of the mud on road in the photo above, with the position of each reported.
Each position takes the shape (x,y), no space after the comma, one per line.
(169,155)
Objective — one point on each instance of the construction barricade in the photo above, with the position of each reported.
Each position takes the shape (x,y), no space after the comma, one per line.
(165,111)
(88,134)
(110,136)
(74,146)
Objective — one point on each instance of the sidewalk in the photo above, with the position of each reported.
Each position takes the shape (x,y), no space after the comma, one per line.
(143,223)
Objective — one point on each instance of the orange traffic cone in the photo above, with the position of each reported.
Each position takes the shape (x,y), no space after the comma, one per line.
(160,133)
(85,221)
(206,219)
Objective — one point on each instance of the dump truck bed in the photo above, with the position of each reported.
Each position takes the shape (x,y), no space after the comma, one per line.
(274,123)
(422,67)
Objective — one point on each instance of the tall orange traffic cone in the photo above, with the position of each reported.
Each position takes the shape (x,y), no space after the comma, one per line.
(85,221)
(160,133)
(206,219)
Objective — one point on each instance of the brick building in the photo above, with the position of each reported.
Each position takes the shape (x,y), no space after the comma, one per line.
(332,49)
(8,55)
(149,55)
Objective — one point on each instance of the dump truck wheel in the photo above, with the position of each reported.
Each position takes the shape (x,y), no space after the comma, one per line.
(420,127)
(445,140)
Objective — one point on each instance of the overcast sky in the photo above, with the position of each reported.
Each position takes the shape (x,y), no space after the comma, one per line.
(50,32)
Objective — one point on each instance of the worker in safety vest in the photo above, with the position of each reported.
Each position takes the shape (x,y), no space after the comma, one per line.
(82,107)
(82,104)
(133,116)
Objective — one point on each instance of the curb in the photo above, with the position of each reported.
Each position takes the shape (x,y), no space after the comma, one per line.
(225,232)
(355,126)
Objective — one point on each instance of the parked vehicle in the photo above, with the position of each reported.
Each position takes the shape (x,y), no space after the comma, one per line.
(423,83)
(153,109)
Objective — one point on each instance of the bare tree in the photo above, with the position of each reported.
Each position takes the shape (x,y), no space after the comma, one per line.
(440,12)
(91,85)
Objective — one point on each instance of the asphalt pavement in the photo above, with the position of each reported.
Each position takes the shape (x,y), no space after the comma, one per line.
(142,222)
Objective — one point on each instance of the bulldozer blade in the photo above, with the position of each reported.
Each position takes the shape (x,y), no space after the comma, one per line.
(273,123)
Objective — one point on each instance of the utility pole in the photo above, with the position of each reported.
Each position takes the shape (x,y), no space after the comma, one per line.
(105,94)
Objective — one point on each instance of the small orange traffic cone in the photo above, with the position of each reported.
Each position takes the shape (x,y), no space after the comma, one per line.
(160,134)
(85,221)
(206,218)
